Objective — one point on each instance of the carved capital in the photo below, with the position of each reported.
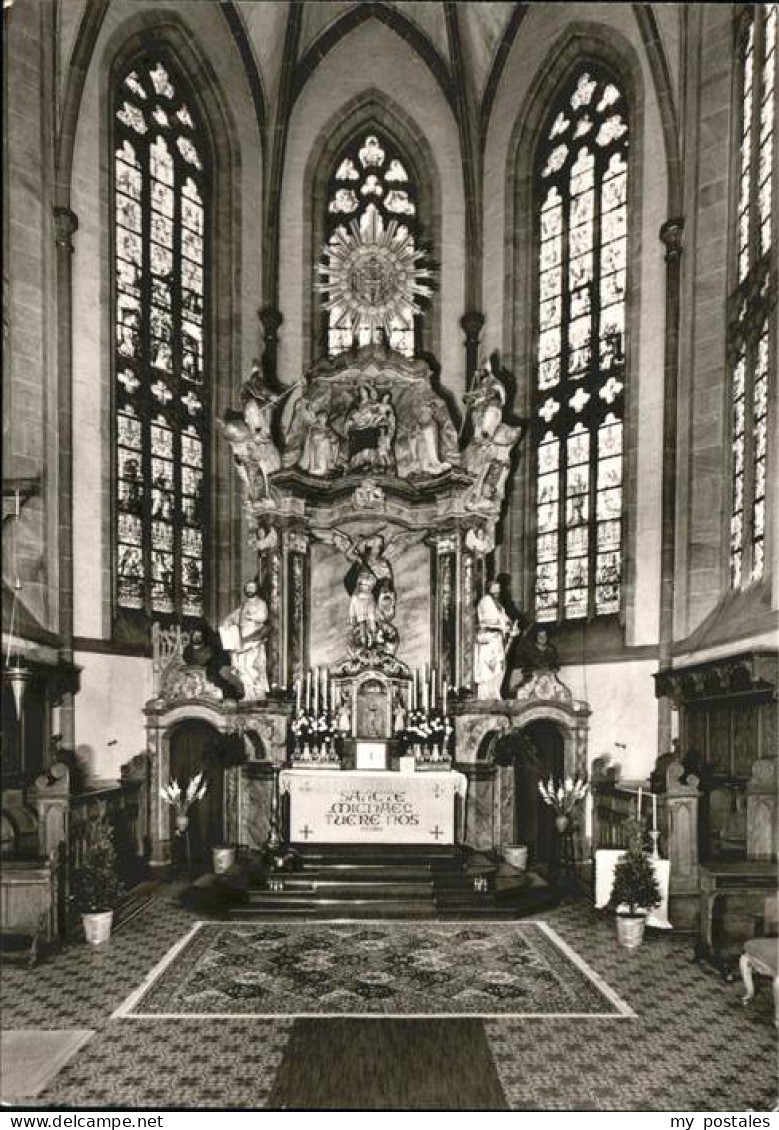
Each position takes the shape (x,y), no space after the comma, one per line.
(65,227)
(270,320)
(672,235)
(472,323)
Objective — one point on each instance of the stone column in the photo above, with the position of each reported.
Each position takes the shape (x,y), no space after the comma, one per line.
(763,810)
(65,227)
(671,235)
(158,750)
(472,324)
(682,842)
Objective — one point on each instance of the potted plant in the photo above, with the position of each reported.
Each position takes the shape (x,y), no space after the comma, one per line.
(95,884)
(635,887)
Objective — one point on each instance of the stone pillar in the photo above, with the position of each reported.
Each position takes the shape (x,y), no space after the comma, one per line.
(65,227)
(477,827)
(671,235)
(158,749)
(682,843)
(763,810)
(270,320)
(472,324)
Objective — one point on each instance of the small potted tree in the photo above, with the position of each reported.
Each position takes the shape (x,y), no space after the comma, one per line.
(634,892)
(95,884)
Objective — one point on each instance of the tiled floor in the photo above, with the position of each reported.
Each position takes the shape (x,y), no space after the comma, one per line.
(691,1047)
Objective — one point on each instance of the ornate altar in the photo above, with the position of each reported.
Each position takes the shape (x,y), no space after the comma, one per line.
(371,523)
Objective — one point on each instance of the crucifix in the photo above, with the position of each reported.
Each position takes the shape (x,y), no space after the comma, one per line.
(306,832)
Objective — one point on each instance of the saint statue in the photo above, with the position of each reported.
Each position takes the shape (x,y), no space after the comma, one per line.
(536,652)
(424,442)
(494,633)
(321,446)
(243,634)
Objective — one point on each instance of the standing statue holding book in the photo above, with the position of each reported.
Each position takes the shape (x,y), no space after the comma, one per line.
(244,633)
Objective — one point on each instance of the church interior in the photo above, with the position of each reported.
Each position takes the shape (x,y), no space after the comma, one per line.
(390,544)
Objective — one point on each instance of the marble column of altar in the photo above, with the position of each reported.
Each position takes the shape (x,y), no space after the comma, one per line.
(445,650)
(296,572)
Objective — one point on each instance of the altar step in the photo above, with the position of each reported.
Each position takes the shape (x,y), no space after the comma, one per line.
(336,884)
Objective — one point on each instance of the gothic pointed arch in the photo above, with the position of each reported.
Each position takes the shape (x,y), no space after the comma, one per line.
(371,115)
(586,49)
(203,328)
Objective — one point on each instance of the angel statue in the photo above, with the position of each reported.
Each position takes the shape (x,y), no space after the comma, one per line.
(249,434)
(372,636)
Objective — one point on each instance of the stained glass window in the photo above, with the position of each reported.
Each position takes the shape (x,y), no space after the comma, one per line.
(582,224)
(161,399)
(371,185)
(751,356)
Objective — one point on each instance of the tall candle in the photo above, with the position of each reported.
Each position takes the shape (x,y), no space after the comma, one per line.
(333,698)
(638,806)
(316,690)
(308,690)
(299,691)
(433,695)
(324,689)
(444,698)
(425,689)
(654,812)
(414,691)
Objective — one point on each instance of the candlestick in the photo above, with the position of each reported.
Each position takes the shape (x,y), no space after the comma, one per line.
(654,812)
(638,806)
(655,837)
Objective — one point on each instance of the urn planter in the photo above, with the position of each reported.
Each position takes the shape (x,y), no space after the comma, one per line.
(630,930)
(97,927)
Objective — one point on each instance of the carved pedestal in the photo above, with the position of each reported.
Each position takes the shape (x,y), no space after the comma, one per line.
(682,817)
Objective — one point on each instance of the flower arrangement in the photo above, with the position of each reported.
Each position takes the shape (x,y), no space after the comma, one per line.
(563,797)
(183,797)
(429,729)
(314,736)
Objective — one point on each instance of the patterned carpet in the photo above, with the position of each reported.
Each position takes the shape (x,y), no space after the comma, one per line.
(690,1047)
(380,968)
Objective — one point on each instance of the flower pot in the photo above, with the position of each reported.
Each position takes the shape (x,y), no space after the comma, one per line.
(516,856)
(223,857)
(630,930)
(97,927)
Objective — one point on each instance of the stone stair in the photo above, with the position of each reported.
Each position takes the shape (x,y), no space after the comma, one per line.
(366,882)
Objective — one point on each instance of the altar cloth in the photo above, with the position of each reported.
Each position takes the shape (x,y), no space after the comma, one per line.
(345,806)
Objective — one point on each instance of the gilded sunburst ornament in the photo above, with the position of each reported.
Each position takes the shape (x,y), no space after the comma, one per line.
(372,275)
